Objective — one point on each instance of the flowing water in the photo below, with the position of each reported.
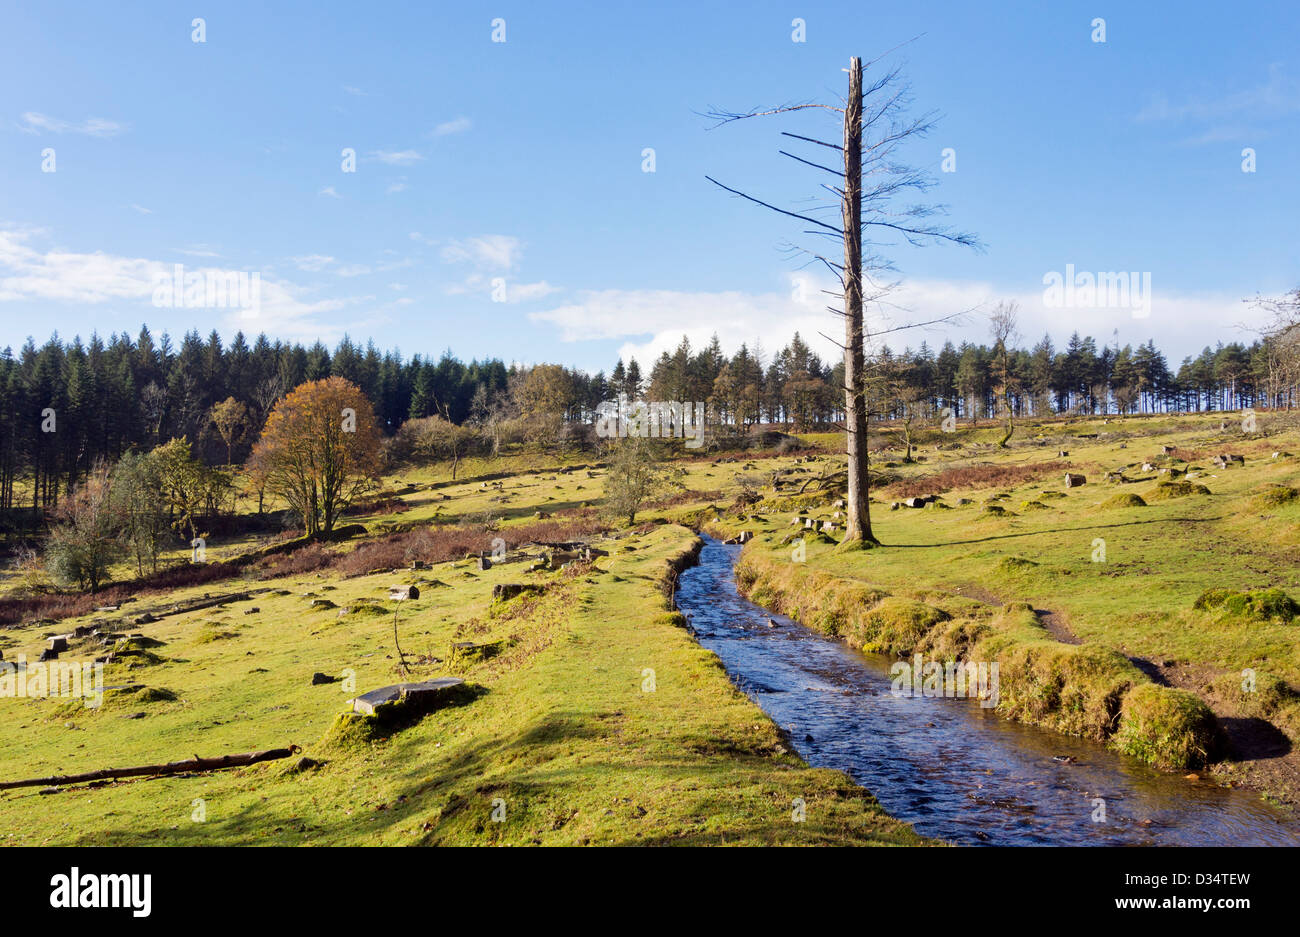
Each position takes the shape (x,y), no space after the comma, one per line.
(952,769)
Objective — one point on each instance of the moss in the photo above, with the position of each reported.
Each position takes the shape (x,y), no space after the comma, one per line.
(1011,565)
(997,510)
(1071,688)
(1124,500)
(1033,506)
(117,699)
(1051,495)
(1166,727)
(352,731)
(367,610)
(1274,496)
(1261,605)
(208,635)
(895,625)
(1164,491)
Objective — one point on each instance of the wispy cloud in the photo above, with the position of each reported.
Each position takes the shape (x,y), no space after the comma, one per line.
(357,92)
(352,270)
(491,251)
(197,250)
(141,209)
(312,263)
(329,190)
(396,157)
(34,122)
(459,125)
(1227,115)
(31,274)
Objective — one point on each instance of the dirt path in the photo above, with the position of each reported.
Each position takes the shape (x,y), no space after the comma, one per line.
(1054,622)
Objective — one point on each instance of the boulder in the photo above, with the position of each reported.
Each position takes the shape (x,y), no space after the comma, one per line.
(422,696)
(1074,481)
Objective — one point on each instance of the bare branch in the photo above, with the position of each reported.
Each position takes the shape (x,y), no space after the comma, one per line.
(774,208)
(727,117)
(833,172)
(833,146)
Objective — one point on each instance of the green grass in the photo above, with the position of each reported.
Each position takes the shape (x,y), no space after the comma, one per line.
(560,728)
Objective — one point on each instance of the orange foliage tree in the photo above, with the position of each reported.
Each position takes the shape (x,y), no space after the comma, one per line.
(319,450)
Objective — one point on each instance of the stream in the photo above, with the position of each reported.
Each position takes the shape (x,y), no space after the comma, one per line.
(955,771)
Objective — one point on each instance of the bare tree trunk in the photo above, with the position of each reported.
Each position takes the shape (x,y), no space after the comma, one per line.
(858,525)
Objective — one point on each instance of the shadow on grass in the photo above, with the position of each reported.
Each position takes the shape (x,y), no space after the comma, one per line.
(1052,530)
(433,804)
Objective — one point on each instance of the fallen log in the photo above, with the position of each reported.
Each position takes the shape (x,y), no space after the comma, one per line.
(175,767)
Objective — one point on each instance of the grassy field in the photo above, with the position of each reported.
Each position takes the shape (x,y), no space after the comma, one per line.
(595,718)
(563,736)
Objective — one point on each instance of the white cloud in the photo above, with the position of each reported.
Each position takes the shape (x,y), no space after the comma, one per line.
(34,122)
(396,187)
(197,250)
(396,157)
(653,321)
(459,125)
(142,210)
(525,292)
(354,91)
(329,190)
(491,251)
(352,270)
(29,274)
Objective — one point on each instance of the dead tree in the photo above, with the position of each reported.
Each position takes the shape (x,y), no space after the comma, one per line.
(874,126)
(1002,325)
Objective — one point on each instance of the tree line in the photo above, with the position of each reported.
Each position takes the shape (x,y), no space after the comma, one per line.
(64,406)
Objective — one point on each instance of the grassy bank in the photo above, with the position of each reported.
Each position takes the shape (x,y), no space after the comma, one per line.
(1083,690)
(593,718)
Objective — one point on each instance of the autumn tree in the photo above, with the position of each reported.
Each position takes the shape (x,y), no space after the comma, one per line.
(183,485)
(545,396)
(319,450)
(230,417)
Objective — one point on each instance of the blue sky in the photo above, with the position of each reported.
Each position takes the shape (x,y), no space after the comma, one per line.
(522,160)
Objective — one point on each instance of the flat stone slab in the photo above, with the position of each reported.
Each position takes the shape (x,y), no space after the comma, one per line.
(423,694)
